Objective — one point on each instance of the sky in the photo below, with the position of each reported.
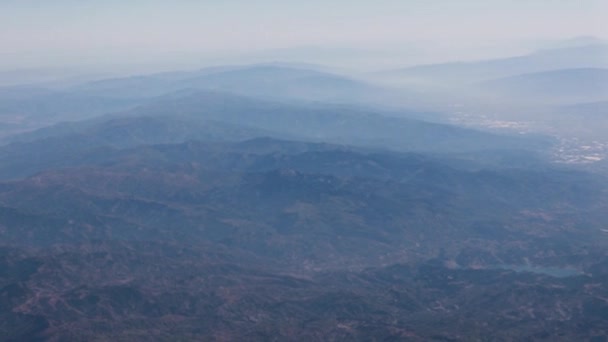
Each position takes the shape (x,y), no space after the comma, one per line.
(42,33)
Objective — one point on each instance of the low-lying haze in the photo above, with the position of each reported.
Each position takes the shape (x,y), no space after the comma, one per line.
(148,35)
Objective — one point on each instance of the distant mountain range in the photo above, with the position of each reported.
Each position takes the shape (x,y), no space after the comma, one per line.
(266,81)
(466,73)
(568,85)
(211,116)
(25,108)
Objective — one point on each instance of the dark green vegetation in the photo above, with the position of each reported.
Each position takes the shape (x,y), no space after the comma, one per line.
(209,216)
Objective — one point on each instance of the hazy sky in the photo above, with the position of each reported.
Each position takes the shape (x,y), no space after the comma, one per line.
(43,32)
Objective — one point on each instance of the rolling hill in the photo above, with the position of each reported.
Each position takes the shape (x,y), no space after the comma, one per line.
(265,81)
(266,237)
(570,85)
(212,116)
